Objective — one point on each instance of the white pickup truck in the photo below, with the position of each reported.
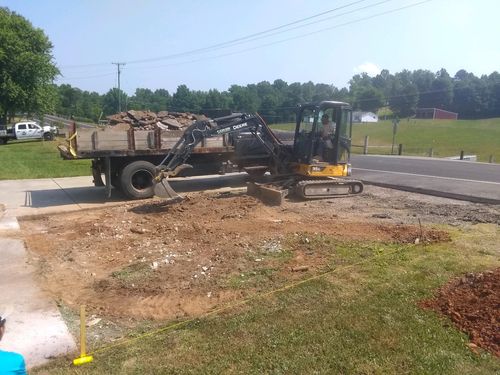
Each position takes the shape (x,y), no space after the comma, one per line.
(27,130)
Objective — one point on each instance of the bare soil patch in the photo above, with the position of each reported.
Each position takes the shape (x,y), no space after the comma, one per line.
(472,302)
(156,261)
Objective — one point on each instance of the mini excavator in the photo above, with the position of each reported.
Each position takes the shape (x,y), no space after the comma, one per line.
(315,166)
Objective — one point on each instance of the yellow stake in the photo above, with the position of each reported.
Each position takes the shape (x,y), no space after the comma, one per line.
(84,358)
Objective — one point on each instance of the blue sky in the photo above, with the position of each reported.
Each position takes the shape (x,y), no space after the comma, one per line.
(450,34)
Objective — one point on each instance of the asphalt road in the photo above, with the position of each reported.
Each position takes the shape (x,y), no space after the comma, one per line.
(457,169)
(66,122)
(477,182)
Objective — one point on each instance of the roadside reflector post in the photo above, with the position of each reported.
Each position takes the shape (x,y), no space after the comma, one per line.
(365,147)
(431,152)
(462,155)
(400,149)
(84,358)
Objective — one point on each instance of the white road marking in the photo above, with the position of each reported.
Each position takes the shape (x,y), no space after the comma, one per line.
(425,175)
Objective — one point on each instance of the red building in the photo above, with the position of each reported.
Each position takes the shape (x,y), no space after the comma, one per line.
(436,114)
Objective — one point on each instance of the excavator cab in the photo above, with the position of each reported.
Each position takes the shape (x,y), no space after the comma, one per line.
(323,139)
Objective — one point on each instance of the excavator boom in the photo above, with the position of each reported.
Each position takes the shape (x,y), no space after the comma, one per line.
(175,161)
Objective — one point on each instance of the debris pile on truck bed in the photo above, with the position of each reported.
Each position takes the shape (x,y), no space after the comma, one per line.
(146,120)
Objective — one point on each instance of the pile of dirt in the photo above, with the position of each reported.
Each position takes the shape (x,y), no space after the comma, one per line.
(146,120)
(411,234)
(472,302)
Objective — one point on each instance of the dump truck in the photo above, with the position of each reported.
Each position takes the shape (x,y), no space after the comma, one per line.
(127,158)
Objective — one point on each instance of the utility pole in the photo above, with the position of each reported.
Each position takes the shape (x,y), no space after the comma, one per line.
(118,64)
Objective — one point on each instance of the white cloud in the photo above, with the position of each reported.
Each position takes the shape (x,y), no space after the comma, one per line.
(369,68)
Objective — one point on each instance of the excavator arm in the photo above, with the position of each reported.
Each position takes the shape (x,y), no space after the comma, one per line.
(175,161)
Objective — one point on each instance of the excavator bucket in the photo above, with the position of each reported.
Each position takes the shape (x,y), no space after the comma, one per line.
(269,194)
(163,189)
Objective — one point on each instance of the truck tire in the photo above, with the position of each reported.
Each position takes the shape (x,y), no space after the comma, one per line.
(48,136)
(136,179)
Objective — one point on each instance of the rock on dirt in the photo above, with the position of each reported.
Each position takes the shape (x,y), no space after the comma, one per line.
(472,302)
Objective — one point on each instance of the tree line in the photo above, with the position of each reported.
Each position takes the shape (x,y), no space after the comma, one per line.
(403,92)
(27,73)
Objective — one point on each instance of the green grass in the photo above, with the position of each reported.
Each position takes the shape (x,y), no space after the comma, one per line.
(363,319)
(446,137)
(37,159)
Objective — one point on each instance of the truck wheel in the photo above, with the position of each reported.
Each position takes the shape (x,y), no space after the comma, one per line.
(136,179)
(48,136)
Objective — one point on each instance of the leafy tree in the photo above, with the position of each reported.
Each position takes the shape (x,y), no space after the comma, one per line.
(26,67)
(142,99)
(470,95)
(441,95)
(322,91)
(161,100)
(110,101)
(368,98)
(383,82)
(404,95)
(493,82)
(185,100)
(424,80)
(244,98)
(215,100)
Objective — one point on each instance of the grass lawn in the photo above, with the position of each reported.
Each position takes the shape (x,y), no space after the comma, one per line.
(446,137)
(361,319)
(37,159)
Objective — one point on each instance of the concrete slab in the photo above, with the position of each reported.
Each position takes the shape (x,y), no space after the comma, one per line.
(9,224)
(51,195)
(34,326)
(55,195)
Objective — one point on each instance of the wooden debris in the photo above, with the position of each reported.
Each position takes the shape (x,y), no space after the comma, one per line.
(300,268)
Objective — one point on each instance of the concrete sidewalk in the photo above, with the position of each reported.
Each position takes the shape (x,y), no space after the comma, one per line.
(51,195)
(55,195)
(34,325)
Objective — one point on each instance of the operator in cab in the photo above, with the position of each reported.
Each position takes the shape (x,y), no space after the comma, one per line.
(326,131)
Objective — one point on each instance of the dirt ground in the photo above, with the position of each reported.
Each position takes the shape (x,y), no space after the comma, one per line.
(472,302)
(150,261)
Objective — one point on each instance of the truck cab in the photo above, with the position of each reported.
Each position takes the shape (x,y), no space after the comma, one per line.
(27,130)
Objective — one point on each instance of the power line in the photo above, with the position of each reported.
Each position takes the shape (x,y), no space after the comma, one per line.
(197,50)
(300,36)
(86,77)
(246,38)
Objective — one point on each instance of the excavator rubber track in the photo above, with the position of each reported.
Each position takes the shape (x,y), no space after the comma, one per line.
(325,188)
